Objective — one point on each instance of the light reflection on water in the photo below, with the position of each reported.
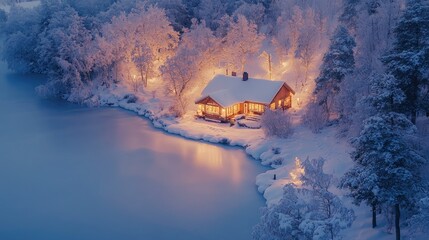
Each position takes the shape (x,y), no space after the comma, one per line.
(212,159)
(68,172)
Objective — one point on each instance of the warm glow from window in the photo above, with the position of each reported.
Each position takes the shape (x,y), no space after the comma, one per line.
(254,107)
(212,109)
(236,108)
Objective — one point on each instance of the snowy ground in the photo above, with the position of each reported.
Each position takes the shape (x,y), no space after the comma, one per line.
(280,154)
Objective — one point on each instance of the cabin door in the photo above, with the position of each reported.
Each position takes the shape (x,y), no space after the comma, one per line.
(246,108)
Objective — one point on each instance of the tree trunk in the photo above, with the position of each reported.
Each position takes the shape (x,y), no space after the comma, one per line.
(374,216)
(397,217)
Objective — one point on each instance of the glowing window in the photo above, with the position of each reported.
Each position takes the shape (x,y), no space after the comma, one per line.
(212,109)
(236,108)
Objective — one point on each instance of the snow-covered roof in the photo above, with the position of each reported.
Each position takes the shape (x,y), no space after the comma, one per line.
(228,90)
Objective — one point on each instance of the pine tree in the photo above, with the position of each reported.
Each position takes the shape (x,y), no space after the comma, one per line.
(337,63)
(387,165)
(385,94)
(409,58)
(387,161)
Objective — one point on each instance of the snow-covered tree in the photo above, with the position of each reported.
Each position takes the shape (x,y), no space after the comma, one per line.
(198,52)
(252,12)
(311,212)
(20,31)
(332,215)
(350,14)
(211,12)
(338,61)
(64,54)
(308,44)
(387,164)
(176,11)
(90,7)
(143,59)
(141,40)
(276,123)
(409,58)
(202,40)
(374,37)
(192,7)
(178,75)
(385,94)
(154,39)
(282,221)
(153,27)
(287,32)
(241,41)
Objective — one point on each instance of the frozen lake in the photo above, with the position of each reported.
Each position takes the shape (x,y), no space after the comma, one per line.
(69,172)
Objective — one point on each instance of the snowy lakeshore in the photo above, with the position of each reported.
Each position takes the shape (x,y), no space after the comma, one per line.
(328,102)
(279,154)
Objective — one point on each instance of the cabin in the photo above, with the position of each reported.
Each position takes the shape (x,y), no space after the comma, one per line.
(228,96)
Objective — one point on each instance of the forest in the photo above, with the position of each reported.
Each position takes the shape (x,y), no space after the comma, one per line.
(358,65)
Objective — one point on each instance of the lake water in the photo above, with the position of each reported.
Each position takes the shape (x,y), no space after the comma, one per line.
(70,172)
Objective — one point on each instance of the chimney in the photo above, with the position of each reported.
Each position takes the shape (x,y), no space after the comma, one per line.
(245,76)
(234,74)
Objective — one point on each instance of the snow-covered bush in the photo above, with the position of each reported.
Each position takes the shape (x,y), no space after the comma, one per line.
(276,123)
(310,212)
(315,117)
(282,221)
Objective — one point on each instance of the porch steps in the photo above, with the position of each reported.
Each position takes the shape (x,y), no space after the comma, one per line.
(255,118)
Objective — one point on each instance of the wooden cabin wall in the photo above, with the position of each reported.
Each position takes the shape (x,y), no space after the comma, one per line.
(285,96)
